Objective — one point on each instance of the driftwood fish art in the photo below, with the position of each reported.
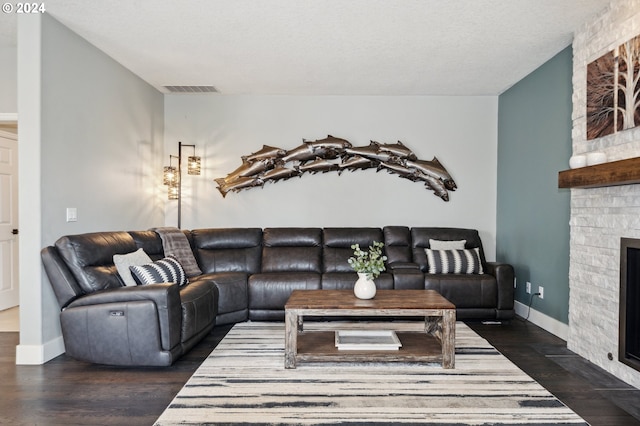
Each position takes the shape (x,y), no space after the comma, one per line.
(355,162)
(249,168)
(319,165)
(272,164)
(279,172)
(436,184)
(238,184)
(397,149)
(372,152)
(303,152)
(330,142)
(266,153)
(434,169)
(400,170)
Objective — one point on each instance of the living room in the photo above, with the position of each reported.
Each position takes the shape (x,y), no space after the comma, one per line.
(101,136)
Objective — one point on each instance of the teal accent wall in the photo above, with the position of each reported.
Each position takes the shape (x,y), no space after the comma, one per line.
(532,218)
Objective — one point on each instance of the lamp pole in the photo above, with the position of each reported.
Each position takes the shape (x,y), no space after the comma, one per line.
(192,169)
(171,174)
(179,185)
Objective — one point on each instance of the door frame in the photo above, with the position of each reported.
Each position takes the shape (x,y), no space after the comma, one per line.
(14,136)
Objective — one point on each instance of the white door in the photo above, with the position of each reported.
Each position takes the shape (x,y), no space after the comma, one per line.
(8,220)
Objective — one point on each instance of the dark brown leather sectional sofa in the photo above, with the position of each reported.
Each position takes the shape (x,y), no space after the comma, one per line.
(247,274)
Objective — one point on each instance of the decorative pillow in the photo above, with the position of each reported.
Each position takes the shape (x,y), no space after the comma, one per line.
(167,270)
(124,261)
(447,245)
(454,261)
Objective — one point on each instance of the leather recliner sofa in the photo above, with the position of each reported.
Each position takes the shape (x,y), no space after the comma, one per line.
(105,322)
(247,274)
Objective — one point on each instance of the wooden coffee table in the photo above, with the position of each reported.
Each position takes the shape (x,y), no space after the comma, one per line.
(433,342)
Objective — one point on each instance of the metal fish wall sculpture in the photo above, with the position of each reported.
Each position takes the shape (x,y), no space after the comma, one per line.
(272,164)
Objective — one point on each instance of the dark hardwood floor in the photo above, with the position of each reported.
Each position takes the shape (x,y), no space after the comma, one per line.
(68,392)
(594,394)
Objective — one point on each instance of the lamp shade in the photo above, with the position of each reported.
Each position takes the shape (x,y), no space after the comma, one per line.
(193,165)
(173,192)
(170,176)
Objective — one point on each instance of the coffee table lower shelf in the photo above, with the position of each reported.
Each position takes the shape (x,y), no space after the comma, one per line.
(319,346)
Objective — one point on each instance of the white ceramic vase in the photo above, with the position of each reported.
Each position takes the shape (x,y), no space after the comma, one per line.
(596,157)
(364,288)
(577,161)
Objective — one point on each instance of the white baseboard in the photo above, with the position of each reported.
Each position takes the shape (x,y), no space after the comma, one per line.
(8,117)
(544,321)
(39,354)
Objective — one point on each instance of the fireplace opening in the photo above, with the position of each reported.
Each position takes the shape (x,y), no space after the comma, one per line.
(629,334)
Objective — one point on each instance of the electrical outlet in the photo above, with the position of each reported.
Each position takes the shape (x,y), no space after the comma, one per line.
(528,288)
(541,292)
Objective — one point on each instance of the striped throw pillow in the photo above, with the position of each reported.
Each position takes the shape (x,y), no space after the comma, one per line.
(167,270)
(454,261)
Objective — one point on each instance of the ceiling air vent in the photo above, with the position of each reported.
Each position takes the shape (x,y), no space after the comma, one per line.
(191,89)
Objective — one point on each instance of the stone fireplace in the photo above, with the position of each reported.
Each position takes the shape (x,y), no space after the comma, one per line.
(601,217)
(629,341)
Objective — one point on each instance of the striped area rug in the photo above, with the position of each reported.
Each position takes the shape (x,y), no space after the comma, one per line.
(243,381)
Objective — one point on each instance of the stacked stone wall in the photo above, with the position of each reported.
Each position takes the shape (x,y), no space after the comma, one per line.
(601,216)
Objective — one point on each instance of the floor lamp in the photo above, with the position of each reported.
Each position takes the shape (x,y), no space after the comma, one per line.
(172,176)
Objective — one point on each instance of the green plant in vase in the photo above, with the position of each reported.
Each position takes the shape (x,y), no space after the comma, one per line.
(369,262)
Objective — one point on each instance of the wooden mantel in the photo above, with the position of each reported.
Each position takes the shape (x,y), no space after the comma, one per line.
(622,172)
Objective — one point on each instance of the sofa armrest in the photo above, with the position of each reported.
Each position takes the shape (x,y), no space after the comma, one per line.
(165,296)
(406,275)
(65,286)
(504,275)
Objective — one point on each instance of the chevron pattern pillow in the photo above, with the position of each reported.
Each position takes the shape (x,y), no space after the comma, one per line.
(167,270)
(454,261)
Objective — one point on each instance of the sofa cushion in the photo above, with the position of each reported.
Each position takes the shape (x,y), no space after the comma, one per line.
(292,259)
(337,246)
(150,242)
(167,270)
(292,237)
(464,290)
(199,301)
(90,258)
(124,261)
(292,250)
(454,261)
(397,244)
(271,291)
(232,290)
(228,249)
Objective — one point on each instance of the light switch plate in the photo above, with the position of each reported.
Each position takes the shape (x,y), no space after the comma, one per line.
(72,214)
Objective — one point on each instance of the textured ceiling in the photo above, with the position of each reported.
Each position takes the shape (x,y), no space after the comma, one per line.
(327,47)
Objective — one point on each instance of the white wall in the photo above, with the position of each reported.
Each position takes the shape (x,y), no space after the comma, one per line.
(102,140)
(91,137)
(8,80)
(460,131)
